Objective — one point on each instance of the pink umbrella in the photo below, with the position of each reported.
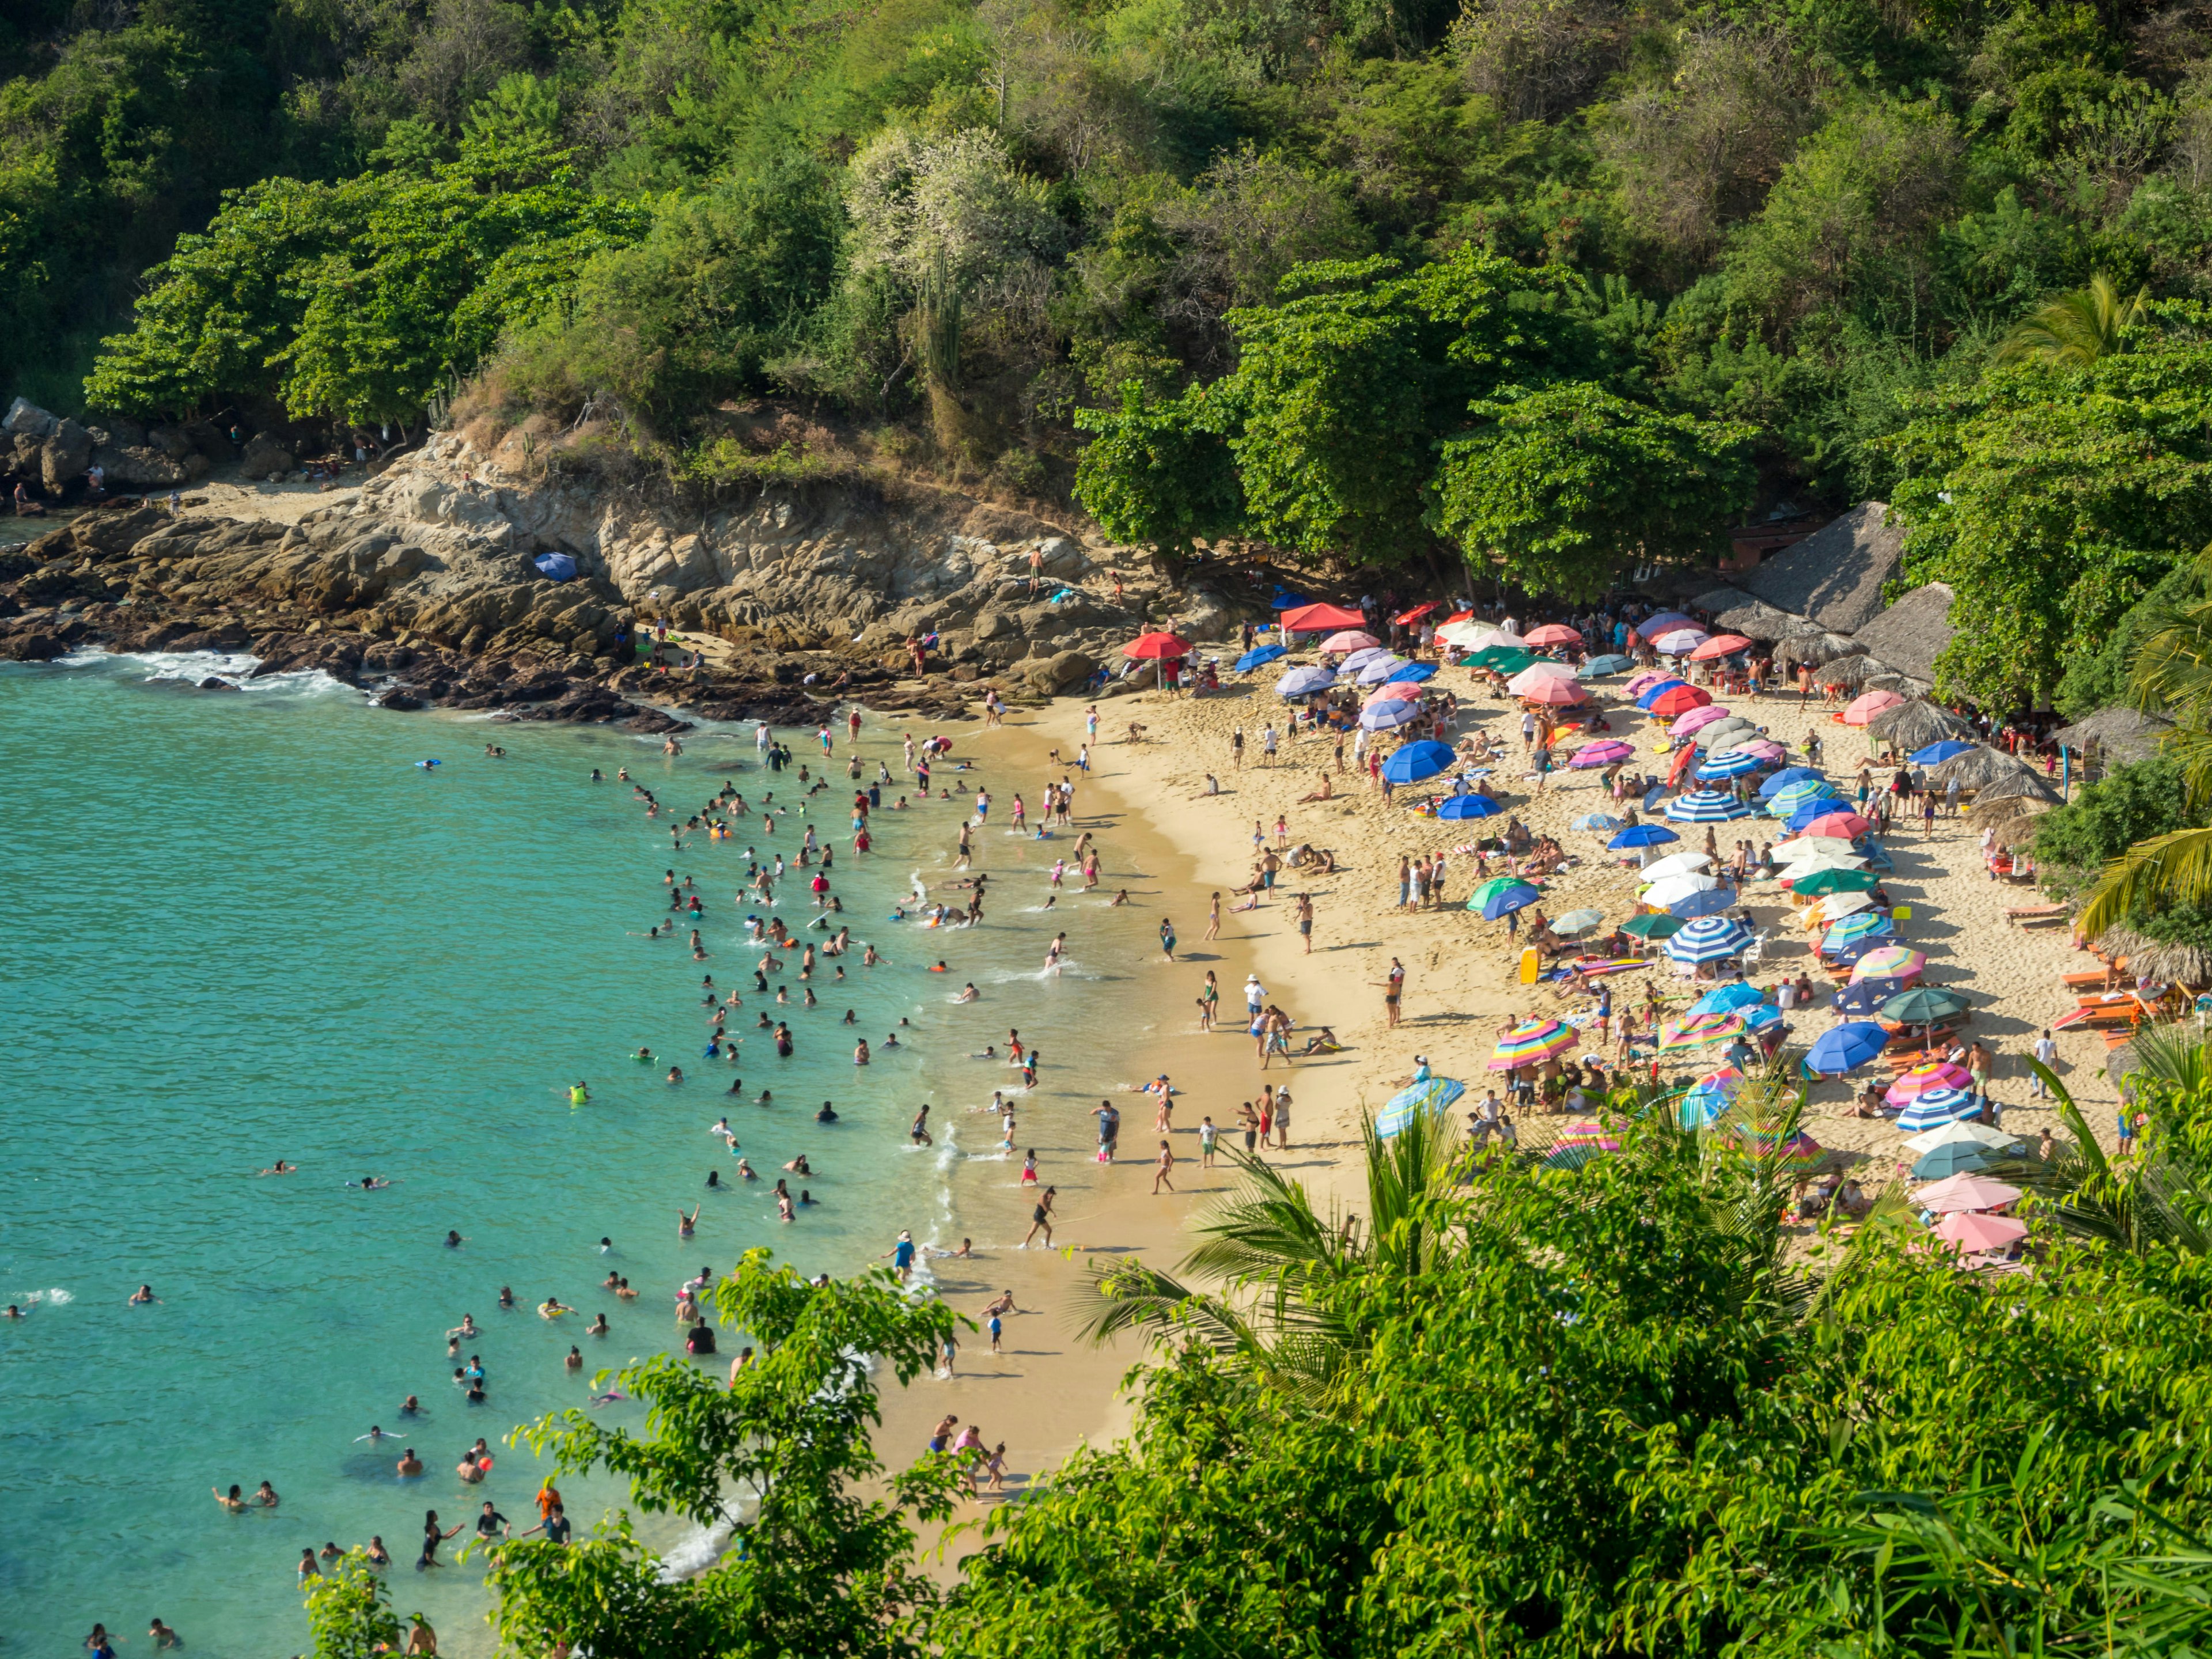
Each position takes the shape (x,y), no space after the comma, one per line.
(1640,684)
(1848,825)
(1698,718)
(1604,752)
(1349,641)
(1768,749)
(1721,645)
(1393,691)
(1526,680)
(1553,633)
(1890,961)
(1965,1192)
(1865,707)
(1556,692)
(1936,1075)
(1968,1233)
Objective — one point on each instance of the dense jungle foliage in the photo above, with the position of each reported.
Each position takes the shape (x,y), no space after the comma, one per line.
(1603,278)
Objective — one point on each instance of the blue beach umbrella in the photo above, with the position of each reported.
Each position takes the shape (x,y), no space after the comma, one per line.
(1934,1108)
(1304,682)
(1469,806)
(1868,994)
(1411,673)
(1759,1016)
(1727,998)
(1811,812)
(1417,760)
(1936,753)
(1389,715)
(1596,821)
(1845,1048)
(1710,902)
(555,567)
(1651,694)
(1788,775)
(1707,806)
(1384,667)
(1737,762)
(1611,663)
(1852,950)
(1407,1106)
(1642,835)
(1709,939)
(1260,656)
(1507,900)
(1784,802)
(1287,600)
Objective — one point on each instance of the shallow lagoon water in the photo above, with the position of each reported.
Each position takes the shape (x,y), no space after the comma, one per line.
(245,927)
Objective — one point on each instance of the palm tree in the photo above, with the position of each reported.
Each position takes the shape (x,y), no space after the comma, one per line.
(2171,676)
(2075,329)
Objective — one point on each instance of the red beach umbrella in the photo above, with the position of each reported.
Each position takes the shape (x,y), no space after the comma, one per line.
(1556,691)
(1721,645)
(1148,646)
(1681,700)
(1553,633)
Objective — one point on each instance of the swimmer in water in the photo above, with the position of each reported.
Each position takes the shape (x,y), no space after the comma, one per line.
(411,1406)
(827,1115)
(466,1327)
(745,1173)
(143,1294)
(453,1239)
(552,1307)
(369,1183)
(686,1223)
(969,994)
(374,1434)
(598,1327)
(798,1165)
(14,1312)
(281,1168)
(505,1297)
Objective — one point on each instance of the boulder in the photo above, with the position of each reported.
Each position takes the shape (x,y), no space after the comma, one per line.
(265,453)
(64,455)
(26,419)
(36,646)
(206,438)
(170,441)
(1048,676)
(400,699)
(140,468)
(213,684)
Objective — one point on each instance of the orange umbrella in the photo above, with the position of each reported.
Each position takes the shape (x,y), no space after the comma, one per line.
(1556,691)
(1721,645)
(1865,707)
(1553,633)
(1680,701)
(1146,646)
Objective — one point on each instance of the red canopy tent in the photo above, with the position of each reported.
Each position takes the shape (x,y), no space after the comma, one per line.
(1320,619)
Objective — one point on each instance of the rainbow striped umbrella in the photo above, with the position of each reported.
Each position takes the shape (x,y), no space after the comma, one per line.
(1934,1108)
(1700,1031)
(1797,1151)
(1706,1099)
(1585,1131)
(1785,802)
(1889,962)
(1863,924)
(1532,1042)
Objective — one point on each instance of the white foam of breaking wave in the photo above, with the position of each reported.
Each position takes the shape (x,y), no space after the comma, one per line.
(193,666)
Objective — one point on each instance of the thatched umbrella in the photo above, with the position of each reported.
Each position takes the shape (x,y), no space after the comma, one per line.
(1911,726)
(1815,649)
(1904,685)
(1977,770)
(2025,783)
(1755,619)
(1999,809)
(1850,673)
(2015,832)
(2120,734)
(2176,964)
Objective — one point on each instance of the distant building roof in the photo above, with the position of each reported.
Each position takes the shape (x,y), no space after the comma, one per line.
(1908,635)
(1836,575)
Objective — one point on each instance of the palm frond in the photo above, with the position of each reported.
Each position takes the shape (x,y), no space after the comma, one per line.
(2170,869)
(2076,328)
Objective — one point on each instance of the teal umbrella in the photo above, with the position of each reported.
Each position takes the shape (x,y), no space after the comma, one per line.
(1403,1108)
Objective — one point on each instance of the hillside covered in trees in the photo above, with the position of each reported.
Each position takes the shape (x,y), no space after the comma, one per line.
(1557,282)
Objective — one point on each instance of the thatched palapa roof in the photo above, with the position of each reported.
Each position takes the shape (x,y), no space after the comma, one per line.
(1735,612)
(2001,808)
(2123,734)
(1915,725)
(1981,769)
(1850,673)
(1816,648)
(1835,575)
(2027,784)
(1909,634)
(2176,964)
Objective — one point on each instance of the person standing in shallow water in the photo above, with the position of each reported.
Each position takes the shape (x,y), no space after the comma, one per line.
(1167,938)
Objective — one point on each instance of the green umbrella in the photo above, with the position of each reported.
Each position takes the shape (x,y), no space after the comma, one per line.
(1924,1005)
(1653,927)
(1506,659)
(1489,890)
(1821,883)
(1578,921)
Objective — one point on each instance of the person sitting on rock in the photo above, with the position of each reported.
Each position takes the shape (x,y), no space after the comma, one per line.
(27,505)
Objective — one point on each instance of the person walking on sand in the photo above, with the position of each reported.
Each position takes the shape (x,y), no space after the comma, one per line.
(1305,920)
(1213,920)
(1282,1120)
(1166,1166)
(1041,1218)
(1209,1001)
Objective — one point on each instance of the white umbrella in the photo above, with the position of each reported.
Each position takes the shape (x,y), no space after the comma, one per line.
(1795,863)
(1960,1135)
(1836,906)
(1673,889)
(1462,633)
(1680,642)
(1678,864)
(1489,636)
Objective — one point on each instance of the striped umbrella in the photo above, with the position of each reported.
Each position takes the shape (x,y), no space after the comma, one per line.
(1704,1101)
(1785,802)
(1797,1150)
(1532,1042)
(1708,938)
(1934,1109)
(1930,1075)
(1408,1106)
(1585,1132)
(1604,752)
(1865,925)
(1889,962)
(1700,1031)
(1788,775)
(1707,806)
(1736,764)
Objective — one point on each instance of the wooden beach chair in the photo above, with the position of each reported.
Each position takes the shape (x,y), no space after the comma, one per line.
(2036,915)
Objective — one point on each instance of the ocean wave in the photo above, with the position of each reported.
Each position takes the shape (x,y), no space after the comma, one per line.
(193,666)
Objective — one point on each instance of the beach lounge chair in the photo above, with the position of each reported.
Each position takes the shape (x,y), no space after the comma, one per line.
(2030,915)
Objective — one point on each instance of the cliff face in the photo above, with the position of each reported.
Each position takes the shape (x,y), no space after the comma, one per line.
(429,573)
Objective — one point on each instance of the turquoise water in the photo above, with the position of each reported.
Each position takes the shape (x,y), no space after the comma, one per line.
(246,927)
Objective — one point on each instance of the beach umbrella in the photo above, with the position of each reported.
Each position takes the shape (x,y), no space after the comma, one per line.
(1319,619)
(1555,693)
(1966,1192)
(1260,656)
(1949,1161)
(1889,962)
(1377,669)
(1483,889)
(1736,764)
(1642,835)
(1936,753)
(1664,895)
(1412,673)
(1494,634)
(1532,1042)
(1868,996)
(1304,682)
(1504,903)
(1469,806)
(1659,687)
(1725,733)
(1391,691)
(1502,658)
(1601,821)
(1644,679)
(1663,622)
(1790,774)
(1388,716)
(1150,647)
(1713,902)
(1930,1077)
(1759,1016)
(1924,1005)
(1956,1133)
(1797,1150)
(1785,802)
(1604,752)
(1678,700)
(1767,749)
(1408,1106)
(1679,643)
(1417,760)
(1708,938)
(1527,681)
(1553,633)
(1721,645)
(1845,1047)
(1868,924)
(1581,1141)
(1706,1099)
(1697,720)
(1408,617)
(1610,663)
(1727,998)
(1867,704)
(1349,641)
(1806,858)
(1841,825)
(1973,1235)
(1822,884)
(1677,864)
(1578,921)
(1707,806)
(1652,927)
(1846,954)
(1366,654)
(1699,1030)
(1836,906)
(1285,600)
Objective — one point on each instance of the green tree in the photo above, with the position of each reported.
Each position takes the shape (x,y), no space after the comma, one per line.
(2075,329)
(1566,488)
(1159,474)
(349,1611)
